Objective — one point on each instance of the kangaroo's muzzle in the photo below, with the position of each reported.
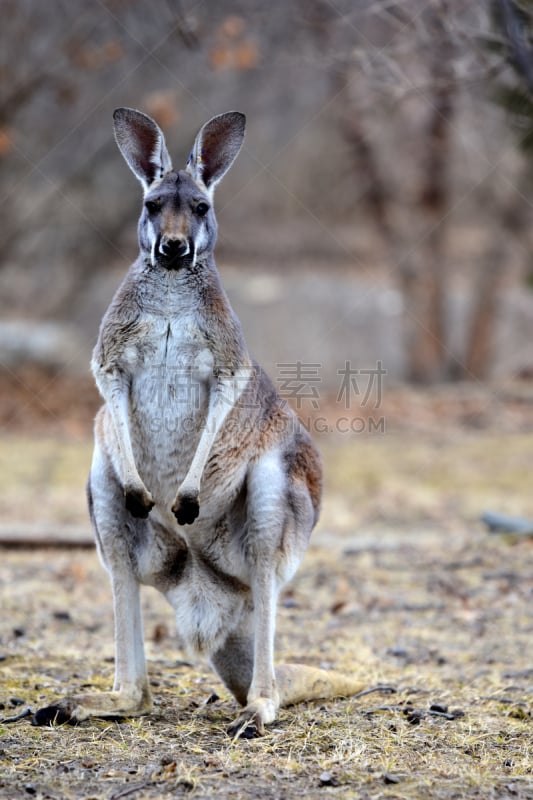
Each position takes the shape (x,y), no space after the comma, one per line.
(171,252)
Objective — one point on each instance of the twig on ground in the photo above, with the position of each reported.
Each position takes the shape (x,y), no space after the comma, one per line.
(384,689)
(130,790)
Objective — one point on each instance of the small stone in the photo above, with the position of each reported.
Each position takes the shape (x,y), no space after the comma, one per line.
(512,788)
(30,789)
(388,777)
(327,779)
(398,652)
(289,602)
(18,632)
(440,707)
(457,713)
(63,616)
(16,701)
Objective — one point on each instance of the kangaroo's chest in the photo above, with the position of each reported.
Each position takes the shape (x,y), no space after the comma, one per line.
(170,376)
(173,365)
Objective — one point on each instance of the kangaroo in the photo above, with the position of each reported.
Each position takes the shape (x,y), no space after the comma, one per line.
(203,483)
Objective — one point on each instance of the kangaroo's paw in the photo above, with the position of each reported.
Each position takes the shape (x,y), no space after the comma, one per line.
(186,507)
(252,720)
(71,710)
(139,501)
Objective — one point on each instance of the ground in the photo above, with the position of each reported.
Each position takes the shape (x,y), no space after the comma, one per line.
(402,587)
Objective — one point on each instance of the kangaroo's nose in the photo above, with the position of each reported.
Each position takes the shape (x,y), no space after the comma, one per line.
(174,248)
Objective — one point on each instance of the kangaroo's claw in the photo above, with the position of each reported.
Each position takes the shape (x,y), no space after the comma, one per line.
(139,502)
(186,508)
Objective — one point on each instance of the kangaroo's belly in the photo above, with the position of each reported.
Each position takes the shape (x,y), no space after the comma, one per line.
(202,572)
(206,612)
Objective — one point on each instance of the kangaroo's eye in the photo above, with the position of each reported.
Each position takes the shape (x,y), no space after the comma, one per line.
(152,206)
(202,209)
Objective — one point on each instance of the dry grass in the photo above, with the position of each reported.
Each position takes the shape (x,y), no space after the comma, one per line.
(401,586)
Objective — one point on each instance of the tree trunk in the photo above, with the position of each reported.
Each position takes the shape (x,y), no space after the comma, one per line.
(479,348)
(515,221)
(426,290)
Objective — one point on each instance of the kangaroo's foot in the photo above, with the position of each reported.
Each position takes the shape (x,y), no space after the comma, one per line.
(75,709)
(252,720)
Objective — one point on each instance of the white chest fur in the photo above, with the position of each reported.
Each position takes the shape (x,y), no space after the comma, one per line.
(172,364)
(171,374)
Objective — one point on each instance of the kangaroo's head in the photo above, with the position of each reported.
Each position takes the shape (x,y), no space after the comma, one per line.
(177,223)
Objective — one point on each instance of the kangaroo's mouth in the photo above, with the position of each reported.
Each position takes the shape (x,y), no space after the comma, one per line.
(173,253)
(174,263)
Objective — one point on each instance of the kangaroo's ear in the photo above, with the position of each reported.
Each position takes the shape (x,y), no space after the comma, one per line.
(216,148)
(142,144)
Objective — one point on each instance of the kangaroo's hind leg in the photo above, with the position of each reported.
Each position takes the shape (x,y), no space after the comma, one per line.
(279,518)
(117,532)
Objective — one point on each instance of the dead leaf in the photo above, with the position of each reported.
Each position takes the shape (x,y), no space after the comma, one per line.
(342,594)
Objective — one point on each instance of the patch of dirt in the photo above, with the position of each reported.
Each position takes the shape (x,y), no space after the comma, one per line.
(446,620)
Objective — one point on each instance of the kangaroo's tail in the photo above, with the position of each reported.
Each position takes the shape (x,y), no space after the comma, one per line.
(298,682)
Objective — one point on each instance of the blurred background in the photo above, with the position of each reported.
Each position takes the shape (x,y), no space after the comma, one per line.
(375,232)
